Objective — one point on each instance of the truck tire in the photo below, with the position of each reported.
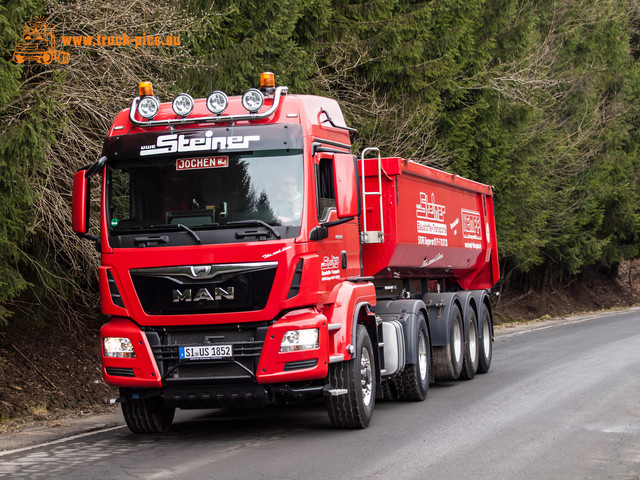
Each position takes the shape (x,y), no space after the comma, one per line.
(447,360)
(147,415)
(413,383)
(355,408)
(471,351)
(388,391)
(486,345)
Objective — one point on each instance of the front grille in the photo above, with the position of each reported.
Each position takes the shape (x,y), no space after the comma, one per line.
(201,289)
(240,349)
(246,342)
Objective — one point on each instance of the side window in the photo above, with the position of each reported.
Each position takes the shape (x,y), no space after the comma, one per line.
(325,188)
(120,195)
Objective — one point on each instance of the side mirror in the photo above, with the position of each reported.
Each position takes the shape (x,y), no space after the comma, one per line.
(81,197)
(346,185)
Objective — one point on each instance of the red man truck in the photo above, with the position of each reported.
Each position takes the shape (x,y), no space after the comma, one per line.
(249,258)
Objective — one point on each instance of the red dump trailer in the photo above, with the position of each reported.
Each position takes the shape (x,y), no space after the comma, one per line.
(248,258)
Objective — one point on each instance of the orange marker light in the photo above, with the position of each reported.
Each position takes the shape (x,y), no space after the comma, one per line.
(145,89)
(267,80)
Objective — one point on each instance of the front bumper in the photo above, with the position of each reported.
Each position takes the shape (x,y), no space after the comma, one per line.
(256,354)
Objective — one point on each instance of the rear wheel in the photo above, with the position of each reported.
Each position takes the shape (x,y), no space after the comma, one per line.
(357,376)
(413,383)
(486,345)
(146,415)
(447,360)
(470,365)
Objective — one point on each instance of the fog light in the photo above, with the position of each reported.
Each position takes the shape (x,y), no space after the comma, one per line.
(148,107)
(118,347)
(252,100)
(217,102)
(295,340)
(183,104)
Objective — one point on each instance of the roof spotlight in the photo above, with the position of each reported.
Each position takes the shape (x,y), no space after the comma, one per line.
(148,107)
(183,104)
(252,100)
(217,102)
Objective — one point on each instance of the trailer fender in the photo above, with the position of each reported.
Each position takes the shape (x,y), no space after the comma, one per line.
(406,312)
(439,307)
(467,301)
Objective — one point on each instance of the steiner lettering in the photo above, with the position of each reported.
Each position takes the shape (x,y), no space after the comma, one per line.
(174,143)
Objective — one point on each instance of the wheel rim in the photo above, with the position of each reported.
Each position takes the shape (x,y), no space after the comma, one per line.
(457,341)
(422,355)
(473,340)
(486,339)
(366,378)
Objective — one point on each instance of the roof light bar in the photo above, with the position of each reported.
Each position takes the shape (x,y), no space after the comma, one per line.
(280,91)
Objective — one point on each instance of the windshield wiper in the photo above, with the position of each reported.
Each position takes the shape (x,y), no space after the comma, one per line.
(191,232)
(255,221)
(179,226)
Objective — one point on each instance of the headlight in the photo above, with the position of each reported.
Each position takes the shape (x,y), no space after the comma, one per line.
(118,347)
(295,340)
(183,104)
(252,100)
(217,102)
(148,107)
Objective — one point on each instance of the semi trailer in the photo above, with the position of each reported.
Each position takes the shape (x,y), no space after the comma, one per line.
(249,258)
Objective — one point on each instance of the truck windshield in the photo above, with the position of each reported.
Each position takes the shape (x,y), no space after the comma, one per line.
(205,192)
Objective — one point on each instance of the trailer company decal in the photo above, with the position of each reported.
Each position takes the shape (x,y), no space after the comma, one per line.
(330,268)
(471,226)
(175,143)
(202,162)
(430,221)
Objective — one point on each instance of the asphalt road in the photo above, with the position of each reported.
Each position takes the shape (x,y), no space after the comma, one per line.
(562,400)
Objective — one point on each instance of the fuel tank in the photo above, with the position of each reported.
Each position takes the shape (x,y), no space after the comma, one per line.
(421,222)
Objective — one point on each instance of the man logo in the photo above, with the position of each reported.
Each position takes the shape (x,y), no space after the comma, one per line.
(203,294)
(200,270)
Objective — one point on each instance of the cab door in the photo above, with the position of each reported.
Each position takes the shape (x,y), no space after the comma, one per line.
(337,234)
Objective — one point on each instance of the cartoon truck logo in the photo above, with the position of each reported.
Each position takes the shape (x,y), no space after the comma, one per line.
(38,44)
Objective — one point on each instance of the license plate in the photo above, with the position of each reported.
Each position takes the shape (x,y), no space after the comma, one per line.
(208,352)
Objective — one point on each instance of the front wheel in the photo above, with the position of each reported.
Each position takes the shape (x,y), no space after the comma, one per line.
(413,383)
(146,415)
(357,376)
